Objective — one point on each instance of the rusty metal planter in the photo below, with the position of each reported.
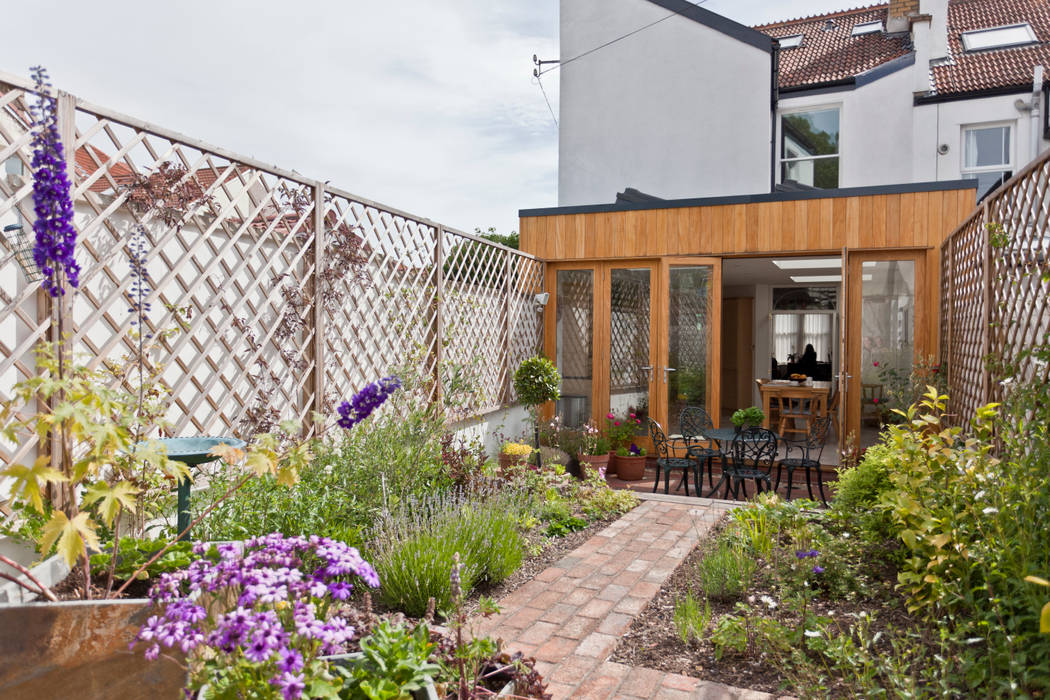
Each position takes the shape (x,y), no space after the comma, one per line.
(80,649)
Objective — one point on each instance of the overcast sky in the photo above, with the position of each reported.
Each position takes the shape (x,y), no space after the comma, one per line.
(426,106)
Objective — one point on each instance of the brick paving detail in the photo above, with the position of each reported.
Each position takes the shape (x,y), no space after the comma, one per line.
(571,616)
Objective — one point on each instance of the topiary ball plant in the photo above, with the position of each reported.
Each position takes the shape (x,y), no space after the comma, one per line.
(536,381)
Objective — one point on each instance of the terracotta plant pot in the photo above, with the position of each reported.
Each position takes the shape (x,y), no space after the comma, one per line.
(631,467)
(508,462)
(594,462)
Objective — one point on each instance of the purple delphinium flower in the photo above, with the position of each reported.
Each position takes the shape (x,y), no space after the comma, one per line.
(287,591)
(818,569)
(55,235)
(364,402)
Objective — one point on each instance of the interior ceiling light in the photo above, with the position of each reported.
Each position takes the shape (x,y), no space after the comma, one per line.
(809,264)
(824,278)
(816,264)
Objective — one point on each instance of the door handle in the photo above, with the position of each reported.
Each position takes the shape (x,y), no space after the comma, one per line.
(649,369)
(667,372)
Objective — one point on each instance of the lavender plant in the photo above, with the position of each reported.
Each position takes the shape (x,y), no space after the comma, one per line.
(414,548)
(289,595)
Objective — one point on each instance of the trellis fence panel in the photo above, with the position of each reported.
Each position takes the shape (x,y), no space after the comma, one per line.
(271,295)
(995,290)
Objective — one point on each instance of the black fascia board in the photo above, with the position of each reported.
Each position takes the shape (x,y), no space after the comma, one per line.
(719,23)
(904,188)
(974,94)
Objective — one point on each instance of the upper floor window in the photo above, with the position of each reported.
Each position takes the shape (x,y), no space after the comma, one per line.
(987,156)
(999,37)
(809,148)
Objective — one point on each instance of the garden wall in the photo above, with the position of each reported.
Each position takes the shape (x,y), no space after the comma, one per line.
(270,296)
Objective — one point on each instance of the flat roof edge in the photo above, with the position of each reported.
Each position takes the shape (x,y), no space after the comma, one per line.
(905,188)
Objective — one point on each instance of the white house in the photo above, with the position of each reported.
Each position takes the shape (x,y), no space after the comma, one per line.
(677,101)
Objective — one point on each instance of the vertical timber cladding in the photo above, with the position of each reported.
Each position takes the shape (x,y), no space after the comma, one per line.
(905,217)
(766,225)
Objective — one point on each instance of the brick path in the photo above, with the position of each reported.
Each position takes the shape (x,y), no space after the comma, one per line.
(571,616)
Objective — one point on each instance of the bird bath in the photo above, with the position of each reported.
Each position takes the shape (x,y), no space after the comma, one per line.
(193,451)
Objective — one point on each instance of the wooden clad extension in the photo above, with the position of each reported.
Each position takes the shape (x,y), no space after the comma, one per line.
(780,225)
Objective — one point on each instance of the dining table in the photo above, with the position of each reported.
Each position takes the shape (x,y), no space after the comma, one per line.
(769,388)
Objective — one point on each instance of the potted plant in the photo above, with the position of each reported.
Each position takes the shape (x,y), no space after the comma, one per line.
(594,450)
(630,462)
(622,433)
(513,454)
(536,382)
(750,417)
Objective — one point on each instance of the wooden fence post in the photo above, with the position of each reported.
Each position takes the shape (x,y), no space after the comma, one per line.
(986,304)
(508,371)
(316,384)
(439,310)
(65,112)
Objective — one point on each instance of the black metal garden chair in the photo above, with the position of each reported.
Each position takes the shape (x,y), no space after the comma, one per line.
(694,421)
(750,458)
(809,451)
(666,462)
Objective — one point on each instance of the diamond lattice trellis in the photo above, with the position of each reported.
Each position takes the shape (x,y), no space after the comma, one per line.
(257,311)
(995,290)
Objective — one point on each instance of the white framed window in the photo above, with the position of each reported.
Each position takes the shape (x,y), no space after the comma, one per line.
(809,147)
(790,42)
(987,156)
(999,37)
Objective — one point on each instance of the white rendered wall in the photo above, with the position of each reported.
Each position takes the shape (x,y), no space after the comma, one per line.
(942,123)
(677,110)
(875,126)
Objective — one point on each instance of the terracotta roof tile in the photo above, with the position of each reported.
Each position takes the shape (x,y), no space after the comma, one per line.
(829,52)
(994,68)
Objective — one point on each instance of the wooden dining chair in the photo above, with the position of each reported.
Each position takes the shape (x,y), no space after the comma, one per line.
(797,407)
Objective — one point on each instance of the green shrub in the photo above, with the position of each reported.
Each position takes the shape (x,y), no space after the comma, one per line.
(375,465)
(394,663)
(413,549)
(558,514)
(725,572)
(601,502)
(859,490)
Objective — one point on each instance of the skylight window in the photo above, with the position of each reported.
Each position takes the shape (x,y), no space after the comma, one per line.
(999,37)
(866,28)
(790,42)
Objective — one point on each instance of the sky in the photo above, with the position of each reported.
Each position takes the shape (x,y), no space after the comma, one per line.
(429,107)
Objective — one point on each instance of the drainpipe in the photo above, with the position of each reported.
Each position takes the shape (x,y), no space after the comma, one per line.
(774,96)
(1037,95)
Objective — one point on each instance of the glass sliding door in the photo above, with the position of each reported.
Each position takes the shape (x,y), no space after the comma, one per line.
(574,329)
(630,365)
(691,334)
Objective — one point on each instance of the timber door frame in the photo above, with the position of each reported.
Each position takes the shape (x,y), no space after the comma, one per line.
(658,328)
(924,335)
(662,326)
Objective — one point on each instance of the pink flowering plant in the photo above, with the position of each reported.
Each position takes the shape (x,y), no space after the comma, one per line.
(622,429)
(254,619)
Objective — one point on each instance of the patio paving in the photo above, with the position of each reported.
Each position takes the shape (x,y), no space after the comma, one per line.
(572,614)
(798,489)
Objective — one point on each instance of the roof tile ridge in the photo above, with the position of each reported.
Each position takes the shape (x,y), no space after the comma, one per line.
(826,15)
